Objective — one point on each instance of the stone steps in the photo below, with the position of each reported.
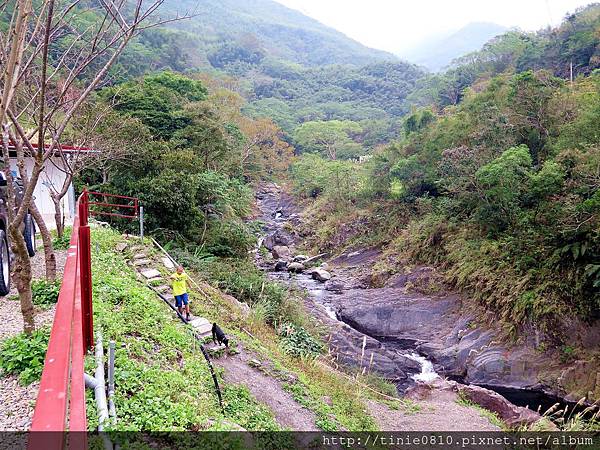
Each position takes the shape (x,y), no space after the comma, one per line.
(150,274)
(143,265)
(142,262)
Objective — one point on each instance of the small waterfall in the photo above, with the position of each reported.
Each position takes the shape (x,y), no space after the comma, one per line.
(428,373)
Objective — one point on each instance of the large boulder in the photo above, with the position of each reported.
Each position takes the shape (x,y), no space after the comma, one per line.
(510,414)
(281,252)
(296,267)
(281,266)
(279,237)
(321,275)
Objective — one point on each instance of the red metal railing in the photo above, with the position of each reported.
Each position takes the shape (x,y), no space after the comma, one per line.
(135,207)
(60,404)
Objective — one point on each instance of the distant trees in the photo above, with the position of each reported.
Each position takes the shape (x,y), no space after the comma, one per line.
(332,138)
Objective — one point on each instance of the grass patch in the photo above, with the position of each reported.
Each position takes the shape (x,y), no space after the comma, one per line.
(61,243)
(45,293)
(23,355)
(492,417)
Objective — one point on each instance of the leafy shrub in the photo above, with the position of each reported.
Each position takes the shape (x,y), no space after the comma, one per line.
(62,243)
(45,293)
(229,239)
(24,355)
(296,341)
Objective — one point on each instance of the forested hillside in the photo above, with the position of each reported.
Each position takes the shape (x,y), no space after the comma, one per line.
(230,32)
(572,45)
(289,67)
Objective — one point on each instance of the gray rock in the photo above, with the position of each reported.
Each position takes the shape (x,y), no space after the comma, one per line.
(281,252)
(254,363)
(168,263)
(296,267)
(142,262)
(510,414)
(279,237)
(321,275)
(300,258)
(121,246)
(325,266)
(151,273)
(280,266)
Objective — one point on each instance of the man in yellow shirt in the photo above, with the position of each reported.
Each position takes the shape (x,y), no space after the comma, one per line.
(179,281)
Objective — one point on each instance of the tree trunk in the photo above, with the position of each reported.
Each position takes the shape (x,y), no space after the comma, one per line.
(22,277)
(58,216)
(49,255)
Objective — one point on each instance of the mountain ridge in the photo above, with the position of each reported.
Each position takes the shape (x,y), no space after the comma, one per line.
(437,52)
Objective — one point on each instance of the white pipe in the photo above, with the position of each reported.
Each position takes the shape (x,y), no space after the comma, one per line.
(100,390)
(90,381)
(111,381)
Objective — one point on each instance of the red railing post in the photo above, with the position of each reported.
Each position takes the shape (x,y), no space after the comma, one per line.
(85,267)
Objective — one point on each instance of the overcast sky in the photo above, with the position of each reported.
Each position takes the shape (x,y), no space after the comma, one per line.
(398,25)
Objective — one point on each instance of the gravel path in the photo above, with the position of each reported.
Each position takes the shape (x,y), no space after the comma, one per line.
(288,413)
(440,412)
(16,401)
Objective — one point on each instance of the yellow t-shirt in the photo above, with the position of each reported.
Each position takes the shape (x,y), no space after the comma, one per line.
(179,283)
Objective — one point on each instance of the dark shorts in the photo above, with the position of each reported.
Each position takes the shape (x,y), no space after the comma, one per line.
(181,300)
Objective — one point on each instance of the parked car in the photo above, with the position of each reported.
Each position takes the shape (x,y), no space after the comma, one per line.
(29,230)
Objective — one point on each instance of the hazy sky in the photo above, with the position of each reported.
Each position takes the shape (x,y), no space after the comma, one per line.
(397,25)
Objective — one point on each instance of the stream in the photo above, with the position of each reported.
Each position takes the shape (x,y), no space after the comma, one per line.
(404,338)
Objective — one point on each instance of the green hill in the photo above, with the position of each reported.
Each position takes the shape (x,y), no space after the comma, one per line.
(270,29)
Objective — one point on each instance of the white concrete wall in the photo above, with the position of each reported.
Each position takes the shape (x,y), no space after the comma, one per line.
(51,176)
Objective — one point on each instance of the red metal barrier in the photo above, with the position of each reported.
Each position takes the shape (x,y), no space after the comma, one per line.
(60,404)
(127,206)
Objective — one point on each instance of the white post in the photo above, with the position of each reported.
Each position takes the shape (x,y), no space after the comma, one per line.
(142,223)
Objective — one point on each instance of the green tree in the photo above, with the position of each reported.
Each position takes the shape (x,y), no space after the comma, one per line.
(331,138)
(501,184)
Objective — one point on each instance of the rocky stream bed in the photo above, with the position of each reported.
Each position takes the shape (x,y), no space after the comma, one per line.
(411,338)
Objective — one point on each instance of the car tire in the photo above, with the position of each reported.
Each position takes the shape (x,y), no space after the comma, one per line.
(29,234)
(4,265)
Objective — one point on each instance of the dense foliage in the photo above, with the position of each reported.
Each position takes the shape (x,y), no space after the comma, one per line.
(194,156)
(23,355)
(45,293)
(501,190)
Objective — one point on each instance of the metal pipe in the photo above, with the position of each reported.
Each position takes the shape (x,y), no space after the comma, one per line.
(142,223)
(90,381)
(111,382)
(97,383)
(100,390)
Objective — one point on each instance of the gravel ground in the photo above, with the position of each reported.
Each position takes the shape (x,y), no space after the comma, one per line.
(17,404)
(16,401)
(439,412)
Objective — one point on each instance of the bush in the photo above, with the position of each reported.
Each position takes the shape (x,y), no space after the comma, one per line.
(296,341)
(45,293)
(24,355)
(62,243)
(229,239)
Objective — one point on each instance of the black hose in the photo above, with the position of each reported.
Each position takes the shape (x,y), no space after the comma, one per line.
(198,338)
